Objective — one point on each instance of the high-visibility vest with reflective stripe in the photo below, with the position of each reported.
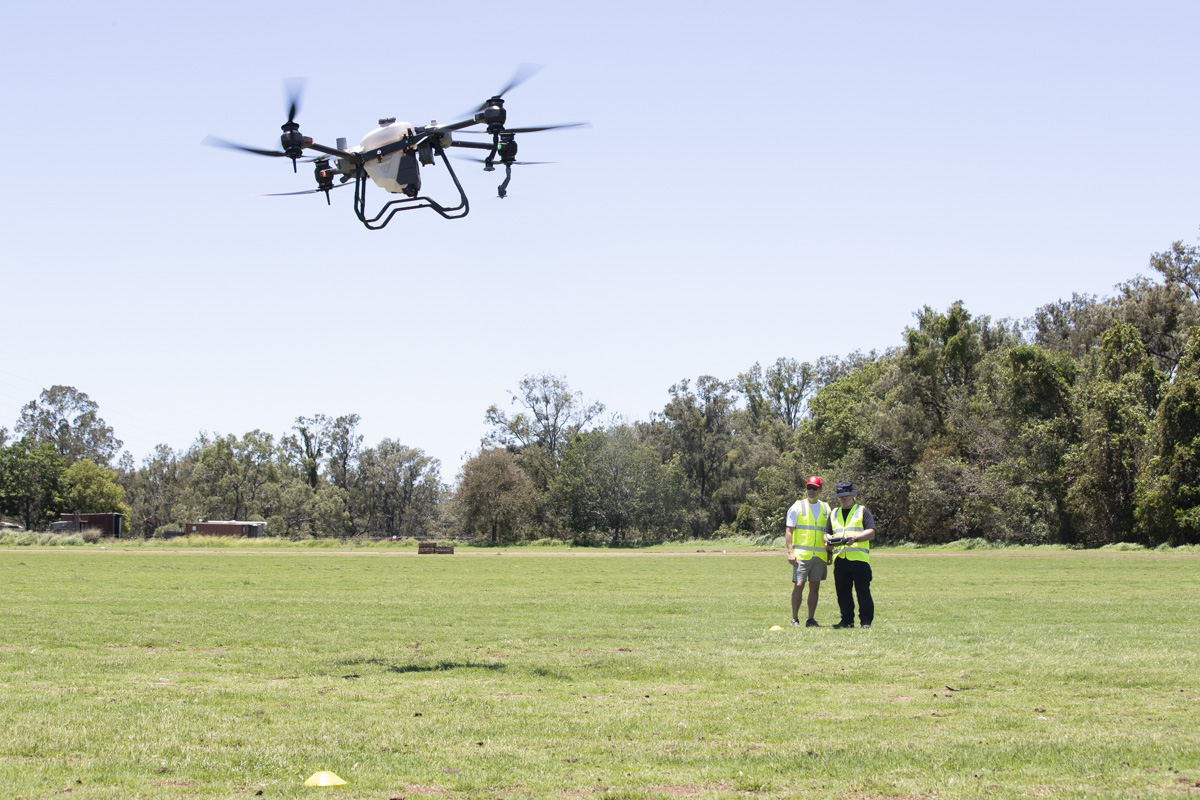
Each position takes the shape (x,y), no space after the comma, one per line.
(852,523)
(808,537)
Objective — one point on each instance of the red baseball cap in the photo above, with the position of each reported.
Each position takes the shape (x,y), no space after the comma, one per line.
(813,480)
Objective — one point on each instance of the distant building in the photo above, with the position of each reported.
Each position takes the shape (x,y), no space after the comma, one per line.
(232,527)
(108,524)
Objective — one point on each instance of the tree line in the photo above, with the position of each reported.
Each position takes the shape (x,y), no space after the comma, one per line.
(1079,425)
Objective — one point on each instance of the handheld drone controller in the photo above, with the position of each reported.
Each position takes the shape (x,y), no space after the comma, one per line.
(838,541)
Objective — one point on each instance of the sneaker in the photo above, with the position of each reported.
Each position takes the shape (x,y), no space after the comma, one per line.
(866,627)
(795,623)
(844,625)
(812,623)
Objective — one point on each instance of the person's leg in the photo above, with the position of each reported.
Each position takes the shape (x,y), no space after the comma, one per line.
(814,589)
(862,588)
(842,582)
(797,593)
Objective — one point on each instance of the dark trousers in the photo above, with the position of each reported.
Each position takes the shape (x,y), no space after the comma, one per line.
(857,575)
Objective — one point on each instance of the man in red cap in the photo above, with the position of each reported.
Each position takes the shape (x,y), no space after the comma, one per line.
(804,539)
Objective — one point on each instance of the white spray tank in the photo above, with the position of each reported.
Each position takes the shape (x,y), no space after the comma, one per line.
(397,172)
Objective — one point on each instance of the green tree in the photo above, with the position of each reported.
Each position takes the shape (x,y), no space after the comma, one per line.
(611,483)
(233,478)
(92,489)
(344,444)
(1168,508)
(31,482)
(1034,405)
(496,497)
(1180,265)
(697,428)
(780,393)
(550,416)
(307,448)
(939,357)
(69,420)
(397,491)
(154,491)
(1118,404)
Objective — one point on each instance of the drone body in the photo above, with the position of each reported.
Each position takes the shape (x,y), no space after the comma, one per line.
(392,155)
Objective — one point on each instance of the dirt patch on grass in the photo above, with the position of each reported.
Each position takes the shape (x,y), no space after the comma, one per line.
(420,788)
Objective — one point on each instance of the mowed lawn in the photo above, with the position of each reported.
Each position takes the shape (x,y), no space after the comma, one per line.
(162,674)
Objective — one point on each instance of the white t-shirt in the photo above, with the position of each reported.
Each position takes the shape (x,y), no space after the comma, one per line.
(794,512)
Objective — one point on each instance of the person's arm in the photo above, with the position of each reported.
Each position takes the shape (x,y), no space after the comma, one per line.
(868,528)
(787,542)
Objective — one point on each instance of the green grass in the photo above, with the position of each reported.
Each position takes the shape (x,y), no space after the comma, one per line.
(159,673)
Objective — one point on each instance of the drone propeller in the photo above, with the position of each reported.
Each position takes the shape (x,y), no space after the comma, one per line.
(523,73)
(535,128)
(502,163)
(292,140)
(213,141)
(306,191)
(294,88)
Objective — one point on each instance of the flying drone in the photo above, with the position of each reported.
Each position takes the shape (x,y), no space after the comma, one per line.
(392,155)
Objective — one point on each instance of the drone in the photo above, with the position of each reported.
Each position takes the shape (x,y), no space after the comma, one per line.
(392,155)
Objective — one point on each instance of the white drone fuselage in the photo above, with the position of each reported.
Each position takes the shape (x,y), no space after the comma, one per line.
(384,171)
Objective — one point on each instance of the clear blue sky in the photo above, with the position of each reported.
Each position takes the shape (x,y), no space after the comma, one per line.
(747,163)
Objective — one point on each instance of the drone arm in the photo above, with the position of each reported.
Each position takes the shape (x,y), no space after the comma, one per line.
(455,126)
(353,158)
(474,145)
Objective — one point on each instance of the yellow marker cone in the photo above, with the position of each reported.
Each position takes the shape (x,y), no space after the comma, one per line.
(324,778)
(776,628)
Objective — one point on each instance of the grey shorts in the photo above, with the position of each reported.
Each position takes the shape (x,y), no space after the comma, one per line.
(812,570)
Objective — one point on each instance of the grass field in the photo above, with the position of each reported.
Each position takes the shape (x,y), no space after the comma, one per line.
(167,673)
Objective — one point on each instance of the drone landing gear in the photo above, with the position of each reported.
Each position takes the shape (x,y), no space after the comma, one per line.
(407,203)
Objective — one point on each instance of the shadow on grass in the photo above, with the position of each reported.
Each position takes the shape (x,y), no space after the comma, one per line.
(542,672)
(440,666)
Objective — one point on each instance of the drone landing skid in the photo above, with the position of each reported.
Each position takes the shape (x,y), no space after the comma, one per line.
(407,203)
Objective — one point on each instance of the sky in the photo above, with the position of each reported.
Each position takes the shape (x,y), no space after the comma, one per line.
(760,180)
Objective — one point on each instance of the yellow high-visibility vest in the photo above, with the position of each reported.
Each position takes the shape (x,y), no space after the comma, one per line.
(851,523)
(808,537)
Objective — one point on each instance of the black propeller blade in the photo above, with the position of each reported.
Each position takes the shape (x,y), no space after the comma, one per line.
(536,128)
(523,73)
(291,139)
(502,162)
(294,88)
(306,191)
(213,141)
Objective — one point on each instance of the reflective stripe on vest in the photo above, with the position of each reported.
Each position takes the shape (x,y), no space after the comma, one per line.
(808,539)
(859,551)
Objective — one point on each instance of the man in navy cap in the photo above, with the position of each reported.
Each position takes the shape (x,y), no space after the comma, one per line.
(855,527)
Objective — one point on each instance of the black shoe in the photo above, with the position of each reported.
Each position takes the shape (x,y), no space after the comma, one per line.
(812,623)
(795,623)
(844,625)
(866,627)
